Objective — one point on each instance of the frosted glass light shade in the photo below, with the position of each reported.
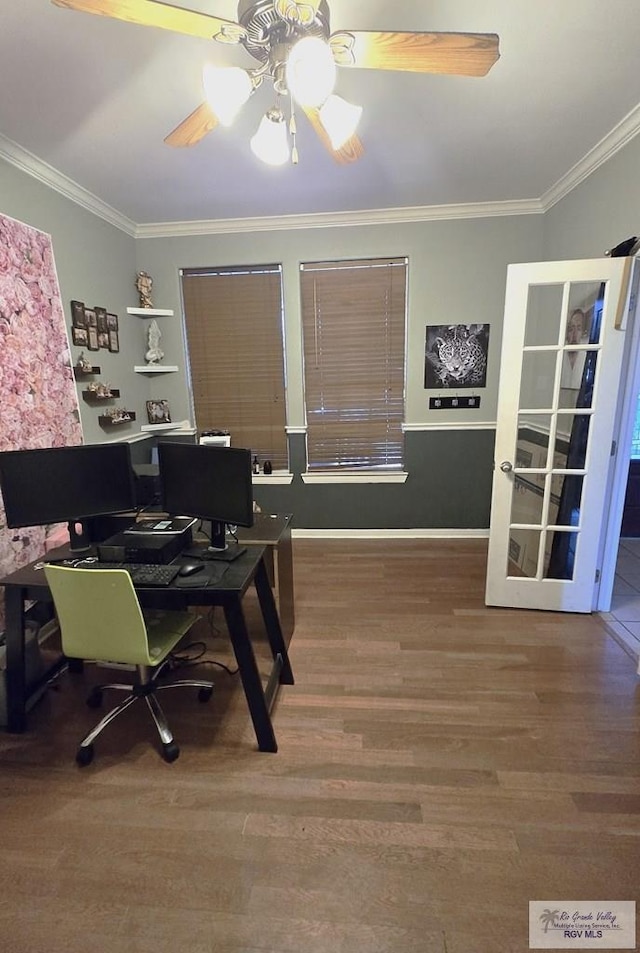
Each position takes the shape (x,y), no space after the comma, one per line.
(311,71)
(339,119)
(227,89)
(270,142)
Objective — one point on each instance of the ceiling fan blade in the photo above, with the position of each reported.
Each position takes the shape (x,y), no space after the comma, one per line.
(194,128)
(155,13)
(461,54)
(350,151)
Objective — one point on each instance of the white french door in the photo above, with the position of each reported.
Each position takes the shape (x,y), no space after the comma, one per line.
(563,344)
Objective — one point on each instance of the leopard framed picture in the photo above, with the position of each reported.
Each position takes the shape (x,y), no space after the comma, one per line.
(456,356)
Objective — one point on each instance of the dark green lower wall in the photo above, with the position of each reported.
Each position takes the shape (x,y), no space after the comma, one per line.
(448,487)
(450,474)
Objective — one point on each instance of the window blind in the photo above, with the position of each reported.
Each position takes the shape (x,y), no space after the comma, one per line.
(233,321)
(354,317)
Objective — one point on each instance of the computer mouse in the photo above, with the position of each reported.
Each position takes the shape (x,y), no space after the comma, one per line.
(188,569)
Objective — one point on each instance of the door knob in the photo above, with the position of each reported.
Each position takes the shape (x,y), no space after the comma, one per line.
(506,467)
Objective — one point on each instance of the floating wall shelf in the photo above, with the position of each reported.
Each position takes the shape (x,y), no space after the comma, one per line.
(148,427)
(78,372)
(105,421)
(92,398)
(150,312)
(156,368)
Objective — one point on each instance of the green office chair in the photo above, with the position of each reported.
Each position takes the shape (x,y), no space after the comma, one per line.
(101,620)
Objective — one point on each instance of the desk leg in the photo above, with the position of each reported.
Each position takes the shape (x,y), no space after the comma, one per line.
(272,623)
(15,660)
(251,681)
(284,569)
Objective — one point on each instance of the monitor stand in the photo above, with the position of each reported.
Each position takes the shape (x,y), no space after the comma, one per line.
(79,536)
(218,547)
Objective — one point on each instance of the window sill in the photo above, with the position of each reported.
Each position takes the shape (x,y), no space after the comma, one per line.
(360,476)
(281,477)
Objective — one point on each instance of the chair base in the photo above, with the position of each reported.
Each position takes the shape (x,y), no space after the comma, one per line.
(146,688)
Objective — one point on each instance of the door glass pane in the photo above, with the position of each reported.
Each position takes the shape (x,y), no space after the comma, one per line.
(577,377)
(544,311)
(583,324)
(532,445)
(572,437)
(526,502)
(566,499)
(559,555)
(538,375)
(524,546)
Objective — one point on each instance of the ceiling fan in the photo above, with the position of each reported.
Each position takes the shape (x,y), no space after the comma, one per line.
(294,47)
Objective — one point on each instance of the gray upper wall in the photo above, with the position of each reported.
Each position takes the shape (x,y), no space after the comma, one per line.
(457,273)
(599,213)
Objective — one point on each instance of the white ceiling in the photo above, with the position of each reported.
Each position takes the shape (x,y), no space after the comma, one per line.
(93,98)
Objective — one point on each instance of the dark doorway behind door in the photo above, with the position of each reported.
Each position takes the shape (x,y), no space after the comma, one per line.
(631,513)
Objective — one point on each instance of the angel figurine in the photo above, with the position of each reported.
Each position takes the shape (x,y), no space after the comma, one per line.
(154,353)
(144,283)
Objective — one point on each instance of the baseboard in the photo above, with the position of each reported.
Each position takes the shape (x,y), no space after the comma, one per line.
(618,631)
(390,533)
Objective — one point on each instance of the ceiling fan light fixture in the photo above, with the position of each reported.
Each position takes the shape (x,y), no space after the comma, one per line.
(270,143)
(340,119)
(311,71)
(226,89)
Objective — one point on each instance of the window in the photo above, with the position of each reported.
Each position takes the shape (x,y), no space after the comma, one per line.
(233,320)
(353,318)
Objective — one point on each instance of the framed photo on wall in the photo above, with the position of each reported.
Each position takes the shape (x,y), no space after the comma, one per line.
(114,343)
(92,339)
(158,412)
(101,320)
(456,355)
(79,337)
(112,322)
(78,317)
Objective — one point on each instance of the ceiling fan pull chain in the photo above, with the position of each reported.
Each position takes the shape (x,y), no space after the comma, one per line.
(293,131)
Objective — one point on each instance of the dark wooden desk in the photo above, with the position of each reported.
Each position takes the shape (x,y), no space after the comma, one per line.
(274,533)
(30,583)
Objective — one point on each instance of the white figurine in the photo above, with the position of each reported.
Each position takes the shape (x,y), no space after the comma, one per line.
(154,353)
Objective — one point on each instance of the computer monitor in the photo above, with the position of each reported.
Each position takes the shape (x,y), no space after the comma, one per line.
(66,485)
(210,483)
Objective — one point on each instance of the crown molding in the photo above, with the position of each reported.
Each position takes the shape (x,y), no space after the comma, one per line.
(45,173)
(381,216)
(613,142)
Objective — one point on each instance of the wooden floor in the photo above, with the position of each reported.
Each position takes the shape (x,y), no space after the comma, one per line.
(440,765)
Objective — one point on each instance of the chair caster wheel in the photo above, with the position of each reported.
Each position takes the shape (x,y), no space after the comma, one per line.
(95,698)
(170,751)
(84,755)
(205,694)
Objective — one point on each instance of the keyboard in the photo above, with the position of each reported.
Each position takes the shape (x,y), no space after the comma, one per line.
(142,574)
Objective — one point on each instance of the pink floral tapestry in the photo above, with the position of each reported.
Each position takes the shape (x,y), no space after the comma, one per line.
(38,399)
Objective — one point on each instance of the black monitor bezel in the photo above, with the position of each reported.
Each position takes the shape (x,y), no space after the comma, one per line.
(179,457)
(36,463)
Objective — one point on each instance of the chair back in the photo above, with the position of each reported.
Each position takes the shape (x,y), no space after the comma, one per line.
(99,614)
